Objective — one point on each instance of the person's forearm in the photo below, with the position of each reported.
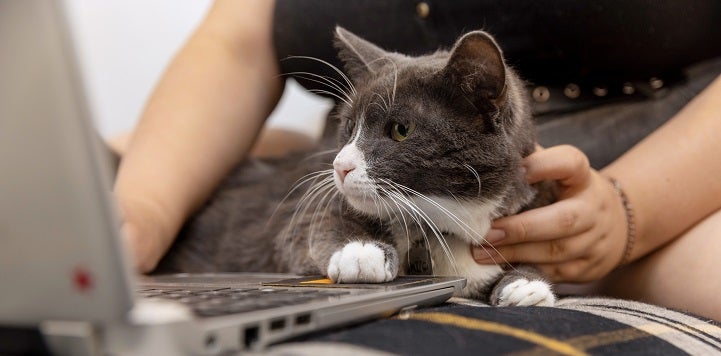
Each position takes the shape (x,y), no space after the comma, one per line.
(672,178)
(204,114)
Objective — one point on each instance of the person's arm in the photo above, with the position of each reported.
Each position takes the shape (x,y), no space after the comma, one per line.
(200,121)
(671,179)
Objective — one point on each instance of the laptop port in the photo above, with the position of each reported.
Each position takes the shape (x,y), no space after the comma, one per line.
(250,336)
(211,341)
(302,319)
(277,324)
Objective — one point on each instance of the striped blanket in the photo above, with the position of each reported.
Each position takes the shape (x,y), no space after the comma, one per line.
(576,326)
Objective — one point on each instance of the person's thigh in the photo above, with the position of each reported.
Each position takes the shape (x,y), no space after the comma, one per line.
(681,275)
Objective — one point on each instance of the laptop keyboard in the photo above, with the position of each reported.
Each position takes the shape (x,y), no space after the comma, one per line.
(223,301)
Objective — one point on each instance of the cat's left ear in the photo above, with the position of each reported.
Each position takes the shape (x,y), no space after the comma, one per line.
(476,66)
(361,58)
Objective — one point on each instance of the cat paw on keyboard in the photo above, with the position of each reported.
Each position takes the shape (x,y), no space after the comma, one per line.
(363,262)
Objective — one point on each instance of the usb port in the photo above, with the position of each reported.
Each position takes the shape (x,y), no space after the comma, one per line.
(250,336)
(277,324)
(302,319)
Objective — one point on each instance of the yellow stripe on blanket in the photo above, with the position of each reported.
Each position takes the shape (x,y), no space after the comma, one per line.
(497,328)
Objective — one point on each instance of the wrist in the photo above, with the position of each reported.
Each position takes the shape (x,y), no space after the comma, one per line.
(628,250)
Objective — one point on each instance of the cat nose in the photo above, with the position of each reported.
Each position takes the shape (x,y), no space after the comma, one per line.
(342,168)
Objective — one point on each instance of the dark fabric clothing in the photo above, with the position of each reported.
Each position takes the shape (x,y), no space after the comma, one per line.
(632,64)
(576,326)
(589,43)
(607,130)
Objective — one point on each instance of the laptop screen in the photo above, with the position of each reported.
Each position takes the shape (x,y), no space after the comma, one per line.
(60,249)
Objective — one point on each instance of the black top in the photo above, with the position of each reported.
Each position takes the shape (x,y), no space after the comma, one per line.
(591,43)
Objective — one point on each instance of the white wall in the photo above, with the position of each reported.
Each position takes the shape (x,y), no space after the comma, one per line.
(124,45)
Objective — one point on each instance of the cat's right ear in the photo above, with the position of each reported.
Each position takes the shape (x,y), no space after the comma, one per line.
(360,58)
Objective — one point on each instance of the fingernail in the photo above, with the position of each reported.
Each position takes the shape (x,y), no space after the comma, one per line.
(494,235)
(481,254)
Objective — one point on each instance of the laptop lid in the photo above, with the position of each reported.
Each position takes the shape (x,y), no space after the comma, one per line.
(60,249)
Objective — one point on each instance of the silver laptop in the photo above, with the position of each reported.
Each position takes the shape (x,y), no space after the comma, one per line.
(63,268)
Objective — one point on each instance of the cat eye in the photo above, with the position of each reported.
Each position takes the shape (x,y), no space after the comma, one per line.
(400,132)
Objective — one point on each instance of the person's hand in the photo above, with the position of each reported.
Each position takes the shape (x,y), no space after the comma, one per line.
(144,233)
(579,238)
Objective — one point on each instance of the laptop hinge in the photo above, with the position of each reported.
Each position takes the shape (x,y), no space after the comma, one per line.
(71,337)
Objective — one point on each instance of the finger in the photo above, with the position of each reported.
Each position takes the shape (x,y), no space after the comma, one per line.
(563,163)
(554,251)
(562,272)
(574,271)
(562,219)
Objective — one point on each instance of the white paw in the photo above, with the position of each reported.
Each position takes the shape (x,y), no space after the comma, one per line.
(359,262)
(527,293)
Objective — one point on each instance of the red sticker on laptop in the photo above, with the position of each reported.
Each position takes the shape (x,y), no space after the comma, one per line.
(82,279)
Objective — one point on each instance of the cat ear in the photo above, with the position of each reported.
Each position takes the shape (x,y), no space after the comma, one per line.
(360,57)
(476,65)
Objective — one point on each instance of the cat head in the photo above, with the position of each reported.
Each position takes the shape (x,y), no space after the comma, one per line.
(450,126)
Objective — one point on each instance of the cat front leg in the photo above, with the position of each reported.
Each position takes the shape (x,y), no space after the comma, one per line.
(353,251)
(363,262)
(522,286)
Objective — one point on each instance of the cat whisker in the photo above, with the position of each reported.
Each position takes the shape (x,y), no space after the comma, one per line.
(474,235)
(402,209)
(382,206)
(475,174)
(390,100)
(320,153)
(385,106)
(378,105)
(321,201)
(420,217)
(328,82)
(392,214)
(395,81)
(320,212)
(399,212)
(318,217)
(299,183)
(309,177)
(375,203)
(325,92)
(322,79)
(490,255)
(482,245)
(323,183)
(467,229)
(334,68)
(305,204)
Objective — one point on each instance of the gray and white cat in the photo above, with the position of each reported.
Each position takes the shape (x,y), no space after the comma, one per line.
(430,152)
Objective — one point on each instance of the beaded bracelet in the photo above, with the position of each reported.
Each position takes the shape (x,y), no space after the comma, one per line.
(631,236)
